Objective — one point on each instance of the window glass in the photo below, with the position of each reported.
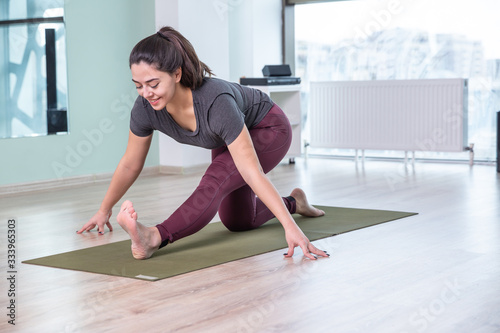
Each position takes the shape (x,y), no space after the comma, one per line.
(29,9)
(407,39)
(33,85)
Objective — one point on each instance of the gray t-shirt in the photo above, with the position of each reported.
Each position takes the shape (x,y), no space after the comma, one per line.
(221,109)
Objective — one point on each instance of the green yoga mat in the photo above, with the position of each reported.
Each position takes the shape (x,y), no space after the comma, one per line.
(212,246)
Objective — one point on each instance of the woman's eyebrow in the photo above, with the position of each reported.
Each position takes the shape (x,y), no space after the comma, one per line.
(148,81)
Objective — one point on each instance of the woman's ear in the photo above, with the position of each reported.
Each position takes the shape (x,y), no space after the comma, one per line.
(178,75)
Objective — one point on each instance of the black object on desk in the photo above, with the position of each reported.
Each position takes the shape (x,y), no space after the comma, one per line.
(273,75)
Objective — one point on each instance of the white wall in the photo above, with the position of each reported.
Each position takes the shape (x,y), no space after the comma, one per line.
(95,105)
(267,34)
(199,23)
(254,36)
(233,37)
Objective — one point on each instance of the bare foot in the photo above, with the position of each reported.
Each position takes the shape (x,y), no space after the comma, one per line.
(303,206)
(145,240)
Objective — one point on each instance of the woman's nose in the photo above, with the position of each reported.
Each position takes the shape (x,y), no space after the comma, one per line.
(146,92)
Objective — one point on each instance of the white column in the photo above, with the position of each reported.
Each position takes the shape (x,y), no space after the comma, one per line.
(201,24)
(234,38)
(254,36)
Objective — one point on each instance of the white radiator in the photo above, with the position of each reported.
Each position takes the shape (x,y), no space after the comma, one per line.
(410,115)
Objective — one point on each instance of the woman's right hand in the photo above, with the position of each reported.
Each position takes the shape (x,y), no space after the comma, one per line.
(99,219)
(296,238)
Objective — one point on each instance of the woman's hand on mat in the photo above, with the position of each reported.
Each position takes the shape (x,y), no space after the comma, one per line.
(100,219)
(295,237)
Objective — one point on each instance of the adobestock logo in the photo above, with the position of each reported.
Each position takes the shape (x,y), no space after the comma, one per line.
(95,137)
(223,7)
(84,148)
(380,19)
(428,314)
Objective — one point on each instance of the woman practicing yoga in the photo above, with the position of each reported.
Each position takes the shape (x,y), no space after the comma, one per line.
(247,133)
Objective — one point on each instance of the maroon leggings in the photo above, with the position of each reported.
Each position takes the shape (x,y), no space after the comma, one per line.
(223,189)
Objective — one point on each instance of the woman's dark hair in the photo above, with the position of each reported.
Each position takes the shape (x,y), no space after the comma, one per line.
(168,50)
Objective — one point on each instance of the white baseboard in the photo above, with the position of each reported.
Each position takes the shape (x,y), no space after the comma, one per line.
(45,185)
(174,170)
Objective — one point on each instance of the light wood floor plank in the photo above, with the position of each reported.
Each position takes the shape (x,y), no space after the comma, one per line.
(438,271)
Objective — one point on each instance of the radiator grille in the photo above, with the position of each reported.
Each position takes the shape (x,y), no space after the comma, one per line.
(411,115)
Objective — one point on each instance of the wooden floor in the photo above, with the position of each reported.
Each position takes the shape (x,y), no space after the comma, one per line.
(438,271)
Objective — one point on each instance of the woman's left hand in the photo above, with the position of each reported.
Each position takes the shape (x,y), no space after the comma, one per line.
(295,237)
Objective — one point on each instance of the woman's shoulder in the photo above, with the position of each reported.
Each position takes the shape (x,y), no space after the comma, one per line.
(216,83)
(214,87)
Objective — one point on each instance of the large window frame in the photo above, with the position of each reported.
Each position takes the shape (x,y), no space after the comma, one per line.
(289,57)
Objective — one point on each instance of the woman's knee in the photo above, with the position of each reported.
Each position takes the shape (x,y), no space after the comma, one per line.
(236,225)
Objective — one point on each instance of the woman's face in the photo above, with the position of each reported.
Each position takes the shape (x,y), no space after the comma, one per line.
(156,86)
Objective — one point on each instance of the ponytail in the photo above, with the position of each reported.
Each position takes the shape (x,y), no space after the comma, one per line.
(168,50)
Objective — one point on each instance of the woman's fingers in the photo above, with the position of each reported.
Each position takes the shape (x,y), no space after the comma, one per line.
(109,226)
(87,227)
(98,220)
(317,251)
(309,250)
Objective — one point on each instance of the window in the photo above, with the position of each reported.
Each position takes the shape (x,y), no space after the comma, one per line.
(33,84)
(406,39)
